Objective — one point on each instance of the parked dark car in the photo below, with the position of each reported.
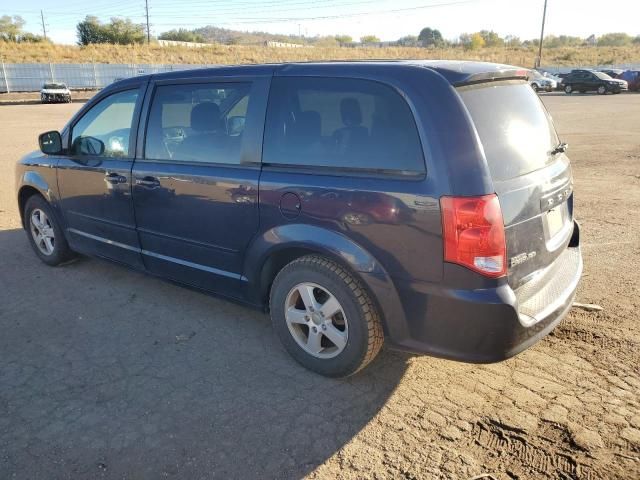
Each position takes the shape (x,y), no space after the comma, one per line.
(429,204)
(591,81)
(632,77)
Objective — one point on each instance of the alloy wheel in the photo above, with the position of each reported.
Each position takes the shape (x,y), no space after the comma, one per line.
(42,232)
(316,320)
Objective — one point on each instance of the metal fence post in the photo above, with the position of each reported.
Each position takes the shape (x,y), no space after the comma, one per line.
(53,78)
(95,76)
(4,75)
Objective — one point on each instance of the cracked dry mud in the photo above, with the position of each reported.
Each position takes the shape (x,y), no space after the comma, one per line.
(95,384)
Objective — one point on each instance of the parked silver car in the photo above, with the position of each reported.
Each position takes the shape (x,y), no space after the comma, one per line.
(55,93)
(541,82)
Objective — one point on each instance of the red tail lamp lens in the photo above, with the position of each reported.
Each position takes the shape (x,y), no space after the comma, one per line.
(473,231)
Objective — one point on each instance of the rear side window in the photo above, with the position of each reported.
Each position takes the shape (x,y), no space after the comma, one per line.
(340,123)
(197,122)
(514,127)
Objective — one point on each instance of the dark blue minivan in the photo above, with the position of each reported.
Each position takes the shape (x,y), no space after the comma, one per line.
(425,204)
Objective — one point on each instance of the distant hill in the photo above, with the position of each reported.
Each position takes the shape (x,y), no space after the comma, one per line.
(235,37)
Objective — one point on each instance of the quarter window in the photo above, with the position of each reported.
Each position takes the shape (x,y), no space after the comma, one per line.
(340,123)
(197,122)
(105,129)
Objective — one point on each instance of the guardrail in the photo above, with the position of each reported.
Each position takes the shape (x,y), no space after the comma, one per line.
(29,77)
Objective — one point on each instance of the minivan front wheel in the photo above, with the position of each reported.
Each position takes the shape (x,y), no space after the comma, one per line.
(602,90)
(568,89)
(324,317)
(45,233)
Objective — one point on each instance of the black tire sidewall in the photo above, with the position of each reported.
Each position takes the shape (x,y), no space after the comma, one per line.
(350,359)
(61,252)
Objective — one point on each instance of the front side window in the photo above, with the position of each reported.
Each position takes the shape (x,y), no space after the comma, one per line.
(105,130)
(340,123)
(197,122)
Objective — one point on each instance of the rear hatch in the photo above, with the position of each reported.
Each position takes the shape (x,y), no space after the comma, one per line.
(531,173)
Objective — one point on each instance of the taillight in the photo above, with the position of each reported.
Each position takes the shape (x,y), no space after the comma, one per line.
(473,231)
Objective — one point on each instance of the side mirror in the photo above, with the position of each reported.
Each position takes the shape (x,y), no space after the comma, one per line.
(235,125)
(50,142)
(89,146)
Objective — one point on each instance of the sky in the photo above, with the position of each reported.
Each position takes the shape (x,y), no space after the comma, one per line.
(387,19)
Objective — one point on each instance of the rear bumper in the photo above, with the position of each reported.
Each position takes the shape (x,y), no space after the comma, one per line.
(492,324)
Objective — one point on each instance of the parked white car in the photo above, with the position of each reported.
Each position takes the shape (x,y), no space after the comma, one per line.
(55,93)
(541,82)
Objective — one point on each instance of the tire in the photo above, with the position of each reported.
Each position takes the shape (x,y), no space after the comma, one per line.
(356,323)
(568,89)
(48,226)
(535,87)
(602,90)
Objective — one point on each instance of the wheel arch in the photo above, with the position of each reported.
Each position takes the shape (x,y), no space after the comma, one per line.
(279,246)
(24,194)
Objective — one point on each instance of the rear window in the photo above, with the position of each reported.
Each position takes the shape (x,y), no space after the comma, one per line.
(514,127)
(340,123)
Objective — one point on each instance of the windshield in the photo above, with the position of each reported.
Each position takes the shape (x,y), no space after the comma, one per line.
(514,127)
(602,76)
(55,86)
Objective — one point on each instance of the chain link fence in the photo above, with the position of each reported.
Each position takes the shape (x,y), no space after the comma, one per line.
(29,77)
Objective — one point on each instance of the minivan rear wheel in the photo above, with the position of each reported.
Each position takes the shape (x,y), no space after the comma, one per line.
(324,317)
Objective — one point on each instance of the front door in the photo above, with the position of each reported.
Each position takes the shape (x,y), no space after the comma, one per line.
(195,188)
(95,179)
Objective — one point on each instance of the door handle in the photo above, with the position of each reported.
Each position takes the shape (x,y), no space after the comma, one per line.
(115,178)
(149,182)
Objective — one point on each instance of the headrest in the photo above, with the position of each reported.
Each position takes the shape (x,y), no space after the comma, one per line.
(350,112)
(205,117)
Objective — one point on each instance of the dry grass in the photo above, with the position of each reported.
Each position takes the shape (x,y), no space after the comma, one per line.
(235,54)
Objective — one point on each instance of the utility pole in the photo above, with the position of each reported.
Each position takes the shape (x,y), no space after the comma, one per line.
(544,16)
(146,9)
(44,28)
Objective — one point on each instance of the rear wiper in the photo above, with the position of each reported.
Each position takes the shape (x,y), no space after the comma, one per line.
(560,148)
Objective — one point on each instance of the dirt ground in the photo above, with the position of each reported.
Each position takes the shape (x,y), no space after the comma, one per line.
(107,373)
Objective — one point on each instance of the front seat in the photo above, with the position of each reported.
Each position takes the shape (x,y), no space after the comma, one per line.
(207,140)
(353,136)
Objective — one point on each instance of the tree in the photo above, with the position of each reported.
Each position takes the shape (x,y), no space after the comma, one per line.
(182,35)
(368,39)
(118,31)
(512,41)
(491,38)
(125,32)
(408,41)
(429,36)
(29,37)
(343,39)
(90,30)
(637,39)
(11,28)
(614,39)
(472,41)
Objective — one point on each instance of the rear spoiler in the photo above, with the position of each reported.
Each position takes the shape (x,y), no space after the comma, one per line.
(492,76)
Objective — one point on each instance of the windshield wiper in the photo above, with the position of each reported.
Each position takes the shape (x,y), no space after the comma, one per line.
(560,148)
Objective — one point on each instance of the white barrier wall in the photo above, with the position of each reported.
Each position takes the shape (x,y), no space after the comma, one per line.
(29,77)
